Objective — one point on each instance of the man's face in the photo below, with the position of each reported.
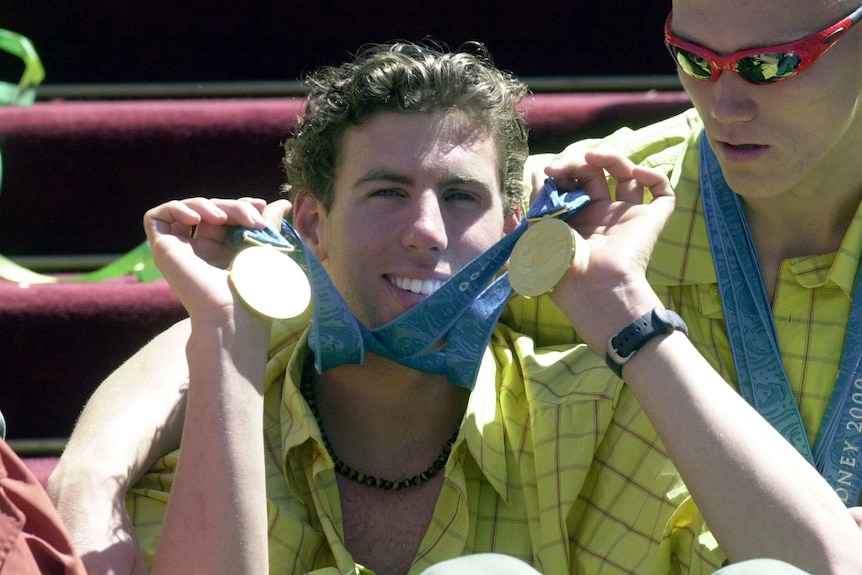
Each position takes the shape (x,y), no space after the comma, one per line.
(795,135)
(416,197)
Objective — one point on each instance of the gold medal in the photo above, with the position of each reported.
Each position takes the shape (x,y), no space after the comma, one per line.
(541,257)
(270,282)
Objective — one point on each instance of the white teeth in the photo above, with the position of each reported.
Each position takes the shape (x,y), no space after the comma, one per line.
(424,287)
(430,286)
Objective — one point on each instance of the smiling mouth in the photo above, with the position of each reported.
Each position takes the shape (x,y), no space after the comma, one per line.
(423,287)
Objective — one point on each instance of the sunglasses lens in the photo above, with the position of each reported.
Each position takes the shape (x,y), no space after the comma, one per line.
(692,64)
(769,67)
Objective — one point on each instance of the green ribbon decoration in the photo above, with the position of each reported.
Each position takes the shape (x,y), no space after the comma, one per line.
(24,92)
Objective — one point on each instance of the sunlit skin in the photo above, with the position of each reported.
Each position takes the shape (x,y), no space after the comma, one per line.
(794,141)
(417,197)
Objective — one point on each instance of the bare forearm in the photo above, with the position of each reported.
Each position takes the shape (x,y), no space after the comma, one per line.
(216,518)
(757,494)
(759,497)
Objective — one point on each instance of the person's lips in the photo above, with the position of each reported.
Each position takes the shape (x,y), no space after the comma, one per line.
(741,152)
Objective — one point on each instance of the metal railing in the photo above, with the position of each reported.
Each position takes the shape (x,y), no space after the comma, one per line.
(262,89)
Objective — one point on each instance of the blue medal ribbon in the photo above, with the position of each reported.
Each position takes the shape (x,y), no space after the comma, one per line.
(837,452)
(464,310)
(754,343)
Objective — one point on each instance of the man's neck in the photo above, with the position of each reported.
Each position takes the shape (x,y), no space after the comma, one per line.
(785,228)
(385,419)
(788,233)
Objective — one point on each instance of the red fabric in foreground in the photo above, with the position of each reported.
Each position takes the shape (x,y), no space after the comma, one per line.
(41,467)
(33,540)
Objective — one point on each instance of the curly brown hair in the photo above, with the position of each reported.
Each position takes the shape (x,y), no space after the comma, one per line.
(405,77)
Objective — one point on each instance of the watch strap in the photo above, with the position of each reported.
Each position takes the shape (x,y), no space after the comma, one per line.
(623,346)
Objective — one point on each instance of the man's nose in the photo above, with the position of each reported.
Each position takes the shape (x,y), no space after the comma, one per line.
(427,230)
(732,100)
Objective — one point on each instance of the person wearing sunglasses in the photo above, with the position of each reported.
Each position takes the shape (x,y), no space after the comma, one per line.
(761,256)
(528,429)
(759,65)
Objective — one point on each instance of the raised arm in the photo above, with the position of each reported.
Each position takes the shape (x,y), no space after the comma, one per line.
(757,494)
(135,417)
(216,517)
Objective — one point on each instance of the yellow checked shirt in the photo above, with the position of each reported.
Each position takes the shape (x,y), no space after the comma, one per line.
(524,454)
(810,310)
(812,300)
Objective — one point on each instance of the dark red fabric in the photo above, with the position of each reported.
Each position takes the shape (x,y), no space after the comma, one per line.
(41,467)
(59,341)
(32,537)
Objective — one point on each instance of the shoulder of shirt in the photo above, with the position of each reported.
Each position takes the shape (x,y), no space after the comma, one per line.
(286,332)
(557,374)
(652,145)
(672,146)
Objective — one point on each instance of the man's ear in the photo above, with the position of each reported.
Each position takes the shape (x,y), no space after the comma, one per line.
(309,220)
(512,220)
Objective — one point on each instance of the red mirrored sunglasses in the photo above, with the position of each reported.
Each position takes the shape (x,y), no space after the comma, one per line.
(759,66)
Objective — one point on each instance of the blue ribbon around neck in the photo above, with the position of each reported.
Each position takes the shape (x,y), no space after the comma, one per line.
(464,310)
(754,343)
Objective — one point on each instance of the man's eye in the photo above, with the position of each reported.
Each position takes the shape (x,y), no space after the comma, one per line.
(386,192)
(462,196)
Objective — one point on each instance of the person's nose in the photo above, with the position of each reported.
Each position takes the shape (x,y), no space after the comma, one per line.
(427,229)
(732,99)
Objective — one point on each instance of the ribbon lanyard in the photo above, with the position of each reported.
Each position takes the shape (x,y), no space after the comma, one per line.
(464,310)
(751,330)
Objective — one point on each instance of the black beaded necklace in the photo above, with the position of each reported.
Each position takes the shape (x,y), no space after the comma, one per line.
(438,464)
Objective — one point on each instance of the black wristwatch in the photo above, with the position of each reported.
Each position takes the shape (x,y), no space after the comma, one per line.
(622,347)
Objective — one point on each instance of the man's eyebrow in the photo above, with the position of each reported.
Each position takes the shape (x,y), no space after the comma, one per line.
(383,175)
(461,180)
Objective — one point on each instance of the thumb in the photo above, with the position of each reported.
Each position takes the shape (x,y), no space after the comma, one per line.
(276,211)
